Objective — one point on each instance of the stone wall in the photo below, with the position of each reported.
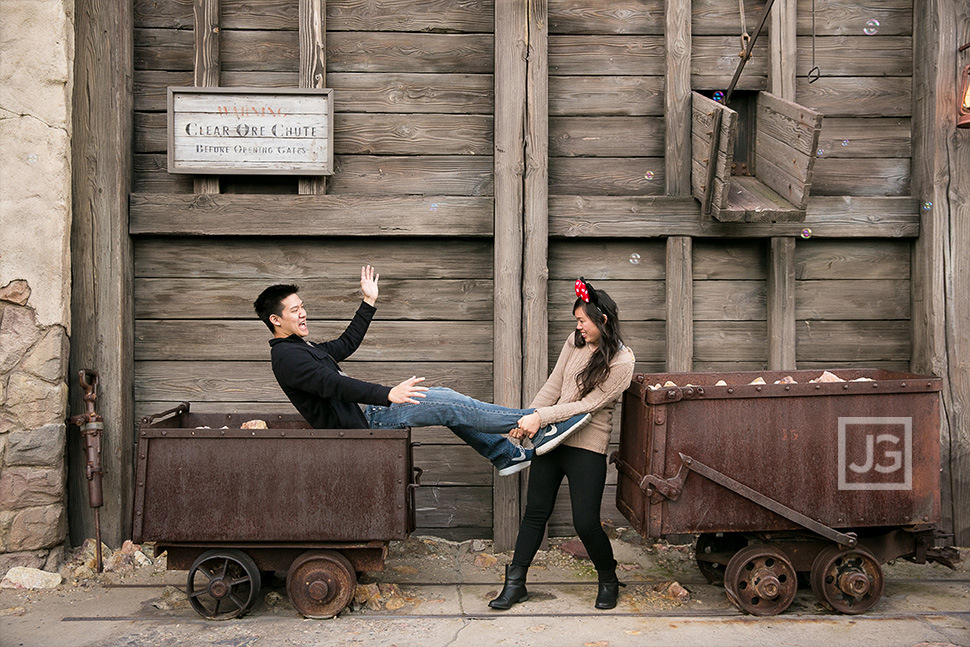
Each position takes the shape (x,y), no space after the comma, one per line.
(36,81)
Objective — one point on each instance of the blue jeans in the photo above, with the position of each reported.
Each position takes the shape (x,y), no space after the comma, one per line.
(477,423)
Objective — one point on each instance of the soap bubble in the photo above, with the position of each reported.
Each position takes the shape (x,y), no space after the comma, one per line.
(806,233)
(32,158)
(927,205)
(821,152)
(434,206)
(845,142)
(648,175)
(719,96)
(872,26)
(635,258)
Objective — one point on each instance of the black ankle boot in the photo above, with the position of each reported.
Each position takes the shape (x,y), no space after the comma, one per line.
(609,590)
(514,589)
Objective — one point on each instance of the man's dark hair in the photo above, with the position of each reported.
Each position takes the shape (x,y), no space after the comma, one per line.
(270,302)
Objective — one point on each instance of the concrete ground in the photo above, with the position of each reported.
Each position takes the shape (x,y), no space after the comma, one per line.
(435,593)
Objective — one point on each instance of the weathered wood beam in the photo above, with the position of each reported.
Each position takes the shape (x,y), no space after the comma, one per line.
(941,307)
(535,273)
(313,68)
(680,308)
(101,259)
(677,97)
(323,215)
(649,217)
(511,72)
(206,65)
(782,50)
(781,304)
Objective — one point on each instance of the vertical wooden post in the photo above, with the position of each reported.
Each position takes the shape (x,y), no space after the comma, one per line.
(101,257)
(535,272)
(782,49)
(941,305)
(781,304)
(680,304)
(511,46)
(781,255)
(536,231)
(677,112)
(208,65)
(677,161)
(313,68)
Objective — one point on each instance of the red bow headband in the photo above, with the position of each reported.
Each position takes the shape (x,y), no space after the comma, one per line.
(585,291)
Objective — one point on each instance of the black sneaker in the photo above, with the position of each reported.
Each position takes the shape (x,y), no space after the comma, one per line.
(548,438)
(517,464)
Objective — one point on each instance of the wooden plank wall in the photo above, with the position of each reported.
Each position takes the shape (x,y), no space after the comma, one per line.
(412,195)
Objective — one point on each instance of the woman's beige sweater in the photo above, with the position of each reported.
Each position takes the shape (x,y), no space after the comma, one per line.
(558,399)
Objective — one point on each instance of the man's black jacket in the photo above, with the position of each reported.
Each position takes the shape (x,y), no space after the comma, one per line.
(309,376)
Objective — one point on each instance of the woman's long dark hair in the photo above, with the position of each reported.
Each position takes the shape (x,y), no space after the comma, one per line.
(609,344)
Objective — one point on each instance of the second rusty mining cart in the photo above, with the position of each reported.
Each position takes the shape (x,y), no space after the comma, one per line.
(230,503)
(786,476)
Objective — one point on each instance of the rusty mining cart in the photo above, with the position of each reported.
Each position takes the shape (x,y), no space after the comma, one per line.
(230,504)
(786,479)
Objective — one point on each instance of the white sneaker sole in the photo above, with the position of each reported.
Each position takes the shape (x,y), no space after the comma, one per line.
(549,445)
(514,468)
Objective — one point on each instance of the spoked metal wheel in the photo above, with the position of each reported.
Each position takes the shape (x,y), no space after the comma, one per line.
(223,584)
(848,580)
(321,583)
(712,552)
(759,579)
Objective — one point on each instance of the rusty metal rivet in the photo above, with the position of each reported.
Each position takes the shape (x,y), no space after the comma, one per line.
(689,461)
(903,385)
(659,420)
(137,512)
(818,386)
(254,433)
(341,434)
(282,433)
(164,433)
(875,385)
(757,388)
(144,433)
(926,518)
(140,484)
(788,388)
(845,387)
(928,384)
(730,390)
(222,433)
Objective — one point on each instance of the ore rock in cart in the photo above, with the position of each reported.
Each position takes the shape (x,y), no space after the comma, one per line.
(787,477)
(231,504)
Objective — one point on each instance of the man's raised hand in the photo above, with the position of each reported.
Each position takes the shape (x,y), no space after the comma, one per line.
(406,391)
(368,284)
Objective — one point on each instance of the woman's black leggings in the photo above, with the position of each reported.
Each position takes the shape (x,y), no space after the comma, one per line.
(586,473)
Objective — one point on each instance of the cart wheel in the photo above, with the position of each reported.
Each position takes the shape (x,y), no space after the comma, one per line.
(223,584)
(848,580)
(759,579)
(321,583)
(708,546)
